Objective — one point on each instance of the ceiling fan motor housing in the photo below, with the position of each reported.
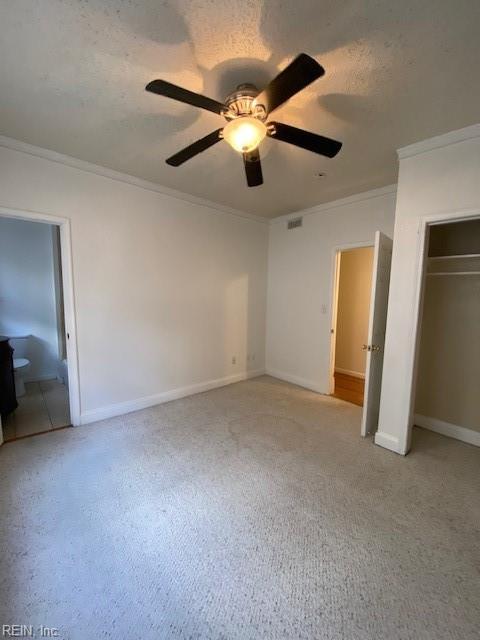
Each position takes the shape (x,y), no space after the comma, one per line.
(242,103)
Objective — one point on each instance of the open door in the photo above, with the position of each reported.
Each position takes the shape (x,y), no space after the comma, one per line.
(376,332)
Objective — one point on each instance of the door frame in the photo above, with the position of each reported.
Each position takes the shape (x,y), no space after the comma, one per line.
(68,299)
(336,251)
(423,228)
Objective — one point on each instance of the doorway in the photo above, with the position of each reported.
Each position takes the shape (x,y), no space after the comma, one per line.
(38,347)
(354,284)
(448,353)
(373,305)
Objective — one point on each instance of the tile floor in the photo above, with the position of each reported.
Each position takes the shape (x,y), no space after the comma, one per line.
(43,407)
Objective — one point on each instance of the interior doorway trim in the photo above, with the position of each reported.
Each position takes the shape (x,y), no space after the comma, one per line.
(336,251)
(421,260)
(69,299)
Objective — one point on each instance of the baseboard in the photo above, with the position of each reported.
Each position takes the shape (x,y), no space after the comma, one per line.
(448,429)
(347,372)
(389,442)
(121,408)
(301,382)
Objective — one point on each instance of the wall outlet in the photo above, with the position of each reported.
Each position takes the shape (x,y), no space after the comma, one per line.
(234,359)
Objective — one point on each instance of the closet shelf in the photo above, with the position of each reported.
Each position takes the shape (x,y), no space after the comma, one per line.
(462,256)
(464,264)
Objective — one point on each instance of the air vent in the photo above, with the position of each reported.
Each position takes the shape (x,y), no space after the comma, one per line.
(294,223)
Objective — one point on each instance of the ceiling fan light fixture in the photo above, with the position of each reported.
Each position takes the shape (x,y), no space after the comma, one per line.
(245,133)
(246,112)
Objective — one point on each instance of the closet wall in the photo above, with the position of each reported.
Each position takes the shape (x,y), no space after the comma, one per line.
(448,396)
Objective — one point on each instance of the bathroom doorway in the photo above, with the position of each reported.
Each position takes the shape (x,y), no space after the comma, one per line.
(35,327)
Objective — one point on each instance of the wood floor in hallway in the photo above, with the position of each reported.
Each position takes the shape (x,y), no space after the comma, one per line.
(349,388)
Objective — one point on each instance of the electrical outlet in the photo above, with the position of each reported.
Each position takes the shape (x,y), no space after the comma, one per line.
(234,359)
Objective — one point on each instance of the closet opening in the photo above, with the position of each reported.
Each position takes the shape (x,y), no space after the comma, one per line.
(447,396)
(354,268)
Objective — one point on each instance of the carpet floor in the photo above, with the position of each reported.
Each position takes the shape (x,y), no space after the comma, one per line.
(251,511)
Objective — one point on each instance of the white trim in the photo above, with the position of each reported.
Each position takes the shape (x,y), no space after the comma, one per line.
(69,300)
(389,442)
(445,140)
(293,379)
(82,165)
(347,372)
(122,408)
(421,262)
(333,204)
(335,288)
(448,429)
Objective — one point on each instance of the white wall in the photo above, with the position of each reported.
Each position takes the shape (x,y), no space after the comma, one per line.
(300,281)
(437,178)
(354,292)
(166,291)
(27,295)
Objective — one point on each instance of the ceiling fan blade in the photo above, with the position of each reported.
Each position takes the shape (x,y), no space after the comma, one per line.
(163,88)
(299,74)
(253,168)
(305,139)
(195,148)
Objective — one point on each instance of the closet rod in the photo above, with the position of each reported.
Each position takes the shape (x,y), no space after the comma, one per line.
(454,273)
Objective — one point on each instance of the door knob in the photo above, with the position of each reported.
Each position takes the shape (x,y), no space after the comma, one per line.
(366,347)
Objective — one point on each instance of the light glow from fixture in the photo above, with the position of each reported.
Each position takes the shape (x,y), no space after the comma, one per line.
(244,134)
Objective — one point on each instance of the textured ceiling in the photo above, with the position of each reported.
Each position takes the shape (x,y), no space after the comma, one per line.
(73,72)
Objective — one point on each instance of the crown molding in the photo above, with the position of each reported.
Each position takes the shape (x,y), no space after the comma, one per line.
(333,204)
(445,140)
(111,174)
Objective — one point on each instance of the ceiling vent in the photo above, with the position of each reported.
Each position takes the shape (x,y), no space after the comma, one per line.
(294,223)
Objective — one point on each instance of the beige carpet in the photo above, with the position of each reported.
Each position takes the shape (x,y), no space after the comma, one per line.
(252,511)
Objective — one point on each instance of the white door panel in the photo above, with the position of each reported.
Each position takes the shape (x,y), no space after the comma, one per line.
(376,332)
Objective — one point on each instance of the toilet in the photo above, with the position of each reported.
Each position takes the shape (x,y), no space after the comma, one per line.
(20,367)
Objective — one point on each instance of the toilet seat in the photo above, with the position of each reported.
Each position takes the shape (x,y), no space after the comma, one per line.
(19,363)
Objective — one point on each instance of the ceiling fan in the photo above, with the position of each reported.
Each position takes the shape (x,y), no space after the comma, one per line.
(246,111)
